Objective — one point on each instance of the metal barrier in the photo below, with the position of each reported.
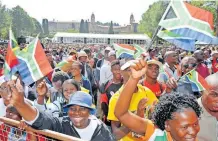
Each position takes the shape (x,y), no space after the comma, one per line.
(9,131)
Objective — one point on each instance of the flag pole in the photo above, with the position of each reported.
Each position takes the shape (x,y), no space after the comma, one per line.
(153,37)
(157,29)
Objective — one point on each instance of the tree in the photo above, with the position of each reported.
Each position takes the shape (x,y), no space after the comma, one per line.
(38,27)
(5,21)
(22,22)
(19,20)
(151,18)
(45,26)
(111,30)
(82,27)
(86,27)
(72,31)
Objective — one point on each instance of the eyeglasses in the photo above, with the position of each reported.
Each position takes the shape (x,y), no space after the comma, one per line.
(190,65)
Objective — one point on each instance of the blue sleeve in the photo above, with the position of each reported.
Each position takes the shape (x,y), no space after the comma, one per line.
(87,85)
(162,78)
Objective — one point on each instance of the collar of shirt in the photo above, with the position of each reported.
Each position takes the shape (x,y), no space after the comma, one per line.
(168,67)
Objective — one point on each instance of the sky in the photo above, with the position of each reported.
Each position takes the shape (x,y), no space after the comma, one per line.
(118,11)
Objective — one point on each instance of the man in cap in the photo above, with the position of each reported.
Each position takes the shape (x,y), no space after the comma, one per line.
(120,131)
(78,123)
(73,53)
(150,81)
(86,71)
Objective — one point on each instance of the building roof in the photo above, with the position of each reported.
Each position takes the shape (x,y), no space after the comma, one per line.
(73,21)
(111,36)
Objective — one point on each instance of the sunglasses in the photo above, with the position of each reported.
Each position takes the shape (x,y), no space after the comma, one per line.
(189,66)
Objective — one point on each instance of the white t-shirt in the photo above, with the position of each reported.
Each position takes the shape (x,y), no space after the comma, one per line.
(86,133)
(2,108)
(105,73)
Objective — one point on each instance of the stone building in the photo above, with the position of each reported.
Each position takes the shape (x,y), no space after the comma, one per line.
(61,26)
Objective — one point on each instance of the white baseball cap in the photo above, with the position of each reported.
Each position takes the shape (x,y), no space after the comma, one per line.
(108,48)
(129,63)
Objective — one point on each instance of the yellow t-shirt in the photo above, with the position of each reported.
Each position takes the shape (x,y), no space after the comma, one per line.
(143,92)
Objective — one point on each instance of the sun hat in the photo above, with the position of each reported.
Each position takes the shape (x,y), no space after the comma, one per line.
(82,54)
(81,99)
(154,62)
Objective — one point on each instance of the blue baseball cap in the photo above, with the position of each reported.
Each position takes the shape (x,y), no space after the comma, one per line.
(81,99)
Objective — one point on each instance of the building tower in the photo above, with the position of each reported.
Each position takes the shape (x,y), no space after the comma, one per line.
(93,18)
(132,19)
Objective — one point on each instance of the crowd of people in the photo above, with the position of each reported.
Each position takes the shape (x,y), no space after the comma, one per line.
(98,96)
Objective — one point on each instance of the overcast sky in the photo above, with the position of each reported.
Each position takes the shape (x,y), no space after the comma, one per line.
(68,10)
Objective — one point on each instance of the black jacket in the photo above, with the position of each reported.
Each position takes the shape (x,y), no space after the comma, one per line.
(64,125)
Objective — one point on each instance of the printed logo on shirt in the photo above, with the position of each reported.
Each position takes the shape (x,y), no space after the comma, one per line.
(111,93)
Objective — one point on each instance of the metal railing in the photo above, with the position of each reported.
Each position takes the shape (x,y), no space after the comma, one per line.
(9,131)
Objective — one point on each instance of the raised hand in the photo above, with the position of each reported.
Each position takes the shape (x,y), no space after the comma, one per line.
(42,88)
(16,91)
(171,84)
(138,68)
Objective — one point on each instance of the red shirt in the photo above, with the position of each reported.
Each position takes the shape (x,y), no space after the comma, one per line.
(156,88)
(215,65)
(203,70)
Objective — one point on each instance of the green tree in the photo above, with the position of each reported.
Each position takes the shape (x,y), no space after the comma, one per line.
(111,30)
(22,22)
(45,26)
(38,27)
(151,18)
(5,21)
(86,27)
(82,27)
(72,31)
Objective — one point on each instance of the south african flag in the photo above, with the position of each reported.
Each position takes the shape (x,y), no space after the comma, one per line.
(198,83)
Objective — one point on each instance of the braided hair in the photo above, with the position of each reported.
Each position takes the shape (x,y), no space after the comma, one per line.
(171,103)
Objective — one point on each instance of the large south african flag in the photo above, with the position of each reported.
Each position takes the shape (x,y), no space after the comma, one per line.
(187,22)
(198,83)
(182,42)
(33,63)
